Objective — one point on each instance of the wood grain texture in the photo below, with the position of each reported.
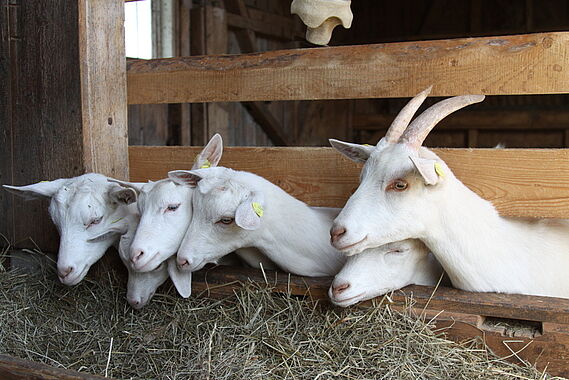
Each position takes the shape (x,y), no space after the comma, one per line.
(519,182)
(523,64)
(484,120)
(12,368)
(66,77)
(515,306)
(209,36)
(6,176)
(266,24)
(103,87)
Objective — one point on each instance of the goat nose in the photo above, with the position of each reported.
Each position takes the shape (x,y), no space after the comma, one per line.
(336,232)
(183,262)
(135,303)
(339,289)
(136,255)
(64,272)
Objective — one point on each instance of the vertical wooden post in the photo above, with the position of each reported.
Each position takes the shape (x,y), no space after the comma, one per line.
(209,36)
(184,38)
(65,113)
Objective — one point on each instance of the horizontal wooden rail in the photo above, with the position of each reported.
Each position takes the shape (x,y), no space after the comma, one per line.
(519,182)
(222,280)
(19,369)
(508,65)
(486,120)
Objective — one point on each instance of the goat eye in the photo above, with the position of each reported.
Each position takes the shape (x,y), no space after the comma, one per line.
(172,208)
(225,220)
(398,185)
(95,221)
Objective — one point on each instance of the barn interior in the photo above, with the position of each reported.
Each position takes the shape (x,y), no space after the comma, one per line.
(226,27)
(53,127)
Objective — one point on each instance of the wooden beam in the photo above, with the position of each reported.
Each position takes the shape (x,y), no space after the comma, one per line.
(516,180)
(259,111)
(209,36)
(266,24)
(508,65)
(484,120)
(245,36)
(67,103)
(517,306)
(12,368)
(268,122)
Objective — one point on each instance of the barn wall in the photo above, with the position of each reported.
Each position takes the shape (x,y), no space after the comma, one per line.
(311,123)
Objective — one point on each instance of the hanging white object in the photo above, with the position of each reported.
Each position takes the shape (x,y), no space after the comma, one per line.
(321,17)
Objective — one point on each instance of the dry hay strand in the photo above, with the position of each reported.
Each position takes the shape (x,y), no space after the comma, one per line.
(256,334)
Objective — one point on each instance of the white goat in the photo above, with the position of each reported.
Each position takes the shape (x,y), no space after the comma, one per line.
(89,213)
(382,270)
(407,191)
(235,209)
(142,285)
(165,207)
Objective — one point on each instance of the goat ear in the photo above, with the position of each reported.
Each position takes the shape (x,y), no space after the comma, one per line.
(249,213)
(182,279)
(211,153)
(123,195)
(118,229)
(136,186)
(43,189)
(185,177)
(427,169)
(355,152)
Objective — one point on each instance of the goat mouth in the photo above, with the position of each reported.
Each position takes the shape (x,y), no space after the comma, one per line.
(348,301)
(75,279)
(195,267)
(352,245)
(148,266)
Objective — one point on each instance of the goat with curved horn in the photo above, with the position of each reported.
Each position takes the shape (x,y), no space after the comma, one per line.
(403,118)
(419,129)
(406,191)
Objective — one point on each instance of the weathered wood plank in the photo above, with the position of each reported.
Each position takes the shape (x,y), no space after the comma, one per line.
(517,181)
(222,280)
(209,36)
(523,64)
(484,120)
(67,103)
(266,24)
(12,368)
(103,87)
(6,221)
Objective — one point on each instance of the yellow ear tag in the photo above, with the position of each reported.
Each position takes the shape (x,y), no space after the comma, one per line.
(367,145)
(439,170)
(257,208)
(206,165)
(118,220)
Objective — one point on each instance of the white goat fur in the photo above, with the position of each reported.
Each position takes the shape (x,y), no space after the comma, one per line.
(381,270)
(142,285)
(77,201)
(479,249)
(75,205)
(290,233)
(161,230)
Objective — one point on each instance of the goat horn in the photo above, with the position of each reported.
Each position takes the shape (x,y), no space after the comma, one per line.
(418,130)
(405,115)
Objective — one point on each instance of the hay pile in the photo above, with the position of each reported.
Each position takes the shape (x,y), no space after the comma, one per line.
(253,335)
